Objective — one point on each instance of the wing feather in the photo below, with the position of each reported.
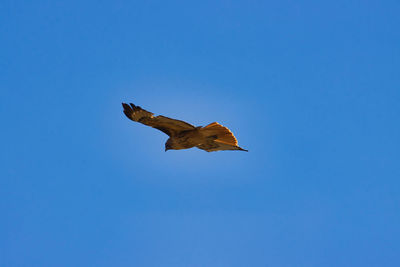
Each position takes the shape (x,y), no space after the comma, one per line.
(167,125)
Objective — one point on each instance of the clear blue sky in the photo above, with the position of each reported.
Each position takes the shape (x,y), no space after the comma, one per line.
(311,88)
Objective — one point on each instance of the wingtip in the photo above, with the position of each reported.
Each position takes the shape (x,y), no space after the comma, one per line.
(127,110)
(134,107)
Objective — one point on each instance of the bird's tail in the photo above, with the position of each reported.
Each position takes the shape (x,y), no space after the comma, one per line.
(222,135)
(219,134)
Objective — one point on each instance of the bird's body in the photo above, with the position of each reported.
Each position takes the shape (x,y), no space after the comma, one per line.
(183,135)
(185,139)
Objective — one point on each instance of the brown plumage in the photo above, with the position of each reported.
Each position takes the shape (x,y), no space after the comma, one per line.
(182,135)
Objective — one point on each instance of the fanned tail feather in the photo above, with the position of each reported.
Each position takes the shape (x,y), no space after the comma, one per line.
(221,133)
(222,136)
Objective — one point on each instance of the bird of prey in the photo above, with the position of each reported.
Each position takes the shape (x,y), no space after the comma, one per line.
(182,135)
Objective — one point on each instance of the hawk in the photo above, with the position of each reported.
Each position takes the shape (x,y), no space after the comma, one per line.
(182,135)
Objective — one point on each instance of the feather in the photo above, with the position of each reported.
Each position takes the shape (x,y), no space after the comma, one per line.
(224,135)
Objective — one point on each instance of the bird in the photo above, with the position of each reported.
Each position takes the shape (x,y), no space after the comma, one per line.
(182,135)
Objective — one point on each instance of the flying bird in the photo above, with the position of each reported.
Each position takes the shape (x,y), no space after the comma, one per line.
(182,135)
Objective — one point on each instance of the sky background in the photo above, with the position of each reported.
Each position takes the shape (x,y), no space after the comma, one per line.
(311,88)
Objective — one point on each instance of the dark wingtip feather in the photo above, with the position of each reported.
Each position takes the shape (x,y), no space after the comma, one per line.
(135,108)
(127,110)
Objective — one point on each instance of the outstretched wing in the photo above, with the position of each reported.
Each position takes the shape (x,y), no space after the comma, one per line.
(167,125)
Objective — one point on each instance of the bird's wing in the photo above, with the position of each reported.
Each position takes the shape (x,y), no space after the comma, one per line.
(167,125)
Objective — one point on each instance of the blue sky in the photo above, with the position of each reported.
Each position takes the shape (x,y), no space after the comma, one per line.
(311,88)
